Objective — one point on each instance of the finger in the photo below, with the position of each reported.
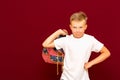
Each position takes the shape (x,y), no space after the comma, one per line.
(65,31)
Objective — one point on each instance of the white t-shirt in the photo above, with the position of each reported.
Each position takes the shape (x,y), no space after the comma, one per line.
(77,53)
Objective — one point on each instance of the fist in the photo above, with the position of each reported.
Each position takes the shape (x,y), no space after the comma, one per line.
(63,31)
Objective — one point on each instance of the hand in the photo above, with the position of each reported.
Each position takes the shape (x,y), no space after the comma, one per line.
(62,31)
(65,31)
(87,65)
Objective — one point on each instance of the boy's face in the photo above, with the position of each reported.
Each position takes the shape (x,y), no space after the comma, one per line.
(78,28)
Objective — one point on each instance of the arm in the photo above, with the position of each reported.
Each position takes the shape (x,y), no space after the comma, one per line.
(49,42)
(105,53)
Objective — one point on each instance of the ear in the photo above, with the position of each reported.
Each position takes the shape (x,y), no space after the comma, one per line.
(85,26)
(70,26)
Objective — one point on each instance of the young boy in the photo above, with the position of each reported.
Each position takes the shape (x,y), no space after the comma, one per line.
(77,48)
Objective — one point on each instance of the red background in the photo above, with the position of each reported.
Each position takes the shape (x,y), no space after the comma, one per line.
(24,24)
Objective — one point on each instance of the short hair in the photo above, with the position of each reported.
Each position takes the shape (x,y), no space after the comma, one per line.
(78,16)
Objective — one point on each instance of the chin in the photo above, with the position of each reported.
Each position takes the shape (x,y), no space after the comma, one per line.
(77,36)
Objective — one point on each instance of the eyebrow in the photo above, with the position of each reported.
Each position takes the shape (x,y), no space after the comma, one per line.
(78,26)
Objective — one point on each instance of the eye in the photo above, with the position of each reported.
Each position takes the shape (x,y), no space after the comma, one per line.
(74,27)
(80,27)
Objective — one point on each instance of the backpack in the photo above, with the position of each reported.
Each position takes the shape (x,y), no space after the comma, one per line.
(53,56)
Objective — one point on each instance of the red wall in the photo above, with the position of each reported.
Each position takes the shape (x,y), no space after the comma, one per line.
(24,24)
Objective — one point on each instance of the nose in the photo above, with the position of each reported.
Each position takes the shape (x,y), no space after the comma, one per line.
(78,30)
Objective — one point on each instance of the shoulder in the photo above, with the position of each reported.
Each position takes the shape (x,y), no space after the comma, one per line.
(89,36)
(64,39)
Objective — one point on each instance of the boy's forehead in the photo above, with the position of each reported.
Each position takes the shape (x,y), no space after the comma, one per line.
(78,23)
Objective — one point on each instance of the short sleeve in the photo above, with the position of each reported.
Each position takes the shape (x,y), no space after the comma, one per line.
(97,45)
(59,43)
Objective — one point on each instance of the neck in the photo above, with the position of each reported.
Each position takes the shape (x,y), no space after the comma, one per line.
(80,36)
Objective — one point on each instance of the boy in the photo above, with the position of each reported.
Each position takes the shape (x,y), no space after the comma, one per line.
(77,48)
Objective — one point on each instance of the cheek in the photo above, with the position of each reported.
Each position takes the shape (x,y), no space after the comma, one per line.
(72,29)
(81,30)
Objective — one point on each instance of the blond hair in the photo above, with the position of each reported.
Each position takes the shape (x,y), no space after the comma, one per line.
(78,16)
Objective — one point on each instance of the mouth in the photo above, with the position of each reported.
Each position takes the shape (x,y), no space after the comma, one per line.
(78,35)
